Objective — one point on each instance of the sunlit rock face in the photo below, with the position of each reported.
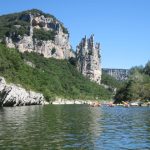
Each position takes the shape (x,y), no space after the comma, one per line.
(58,46)
(15,95)
(88,59)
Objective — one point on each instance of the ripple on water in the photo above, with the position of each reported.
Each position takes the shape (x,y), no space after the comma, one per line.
(74,127)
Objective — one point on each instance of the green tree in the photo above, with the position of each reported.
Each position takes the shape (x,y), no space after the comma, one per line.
(137,86)
(147,68)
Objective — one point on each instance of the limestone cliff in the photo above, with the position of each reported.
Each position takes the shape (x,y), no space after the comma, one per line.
(38,32)
(13,95)
(88,59)
(119,74)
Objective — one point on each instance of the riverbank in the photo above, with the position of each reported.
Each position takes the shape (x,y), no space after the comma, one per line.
(66,101)
(137,103)
(15,95)
(60,101)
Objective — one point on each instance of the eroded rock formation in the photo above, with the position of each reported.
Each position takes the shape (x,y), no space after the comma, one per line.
(88,59)
(15,95)
(58,47)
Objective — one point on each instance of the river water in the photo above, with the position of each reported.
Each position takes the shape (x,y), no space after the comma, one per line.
(73,127)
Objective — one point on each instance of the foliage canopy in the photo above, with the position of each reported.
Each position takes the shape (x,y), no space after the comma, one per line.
(18,24)
(137,86)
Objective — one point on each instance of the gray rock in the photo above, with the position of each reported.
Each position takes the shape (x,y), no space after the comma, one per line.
(29,63)
(15,95)
(119,74)
(27,43)
(88,59)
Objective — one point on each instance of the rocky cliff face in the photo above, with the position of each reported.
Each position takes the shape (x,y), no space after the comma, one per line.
(41,33)
(88,59)
(12,95)
(119,74)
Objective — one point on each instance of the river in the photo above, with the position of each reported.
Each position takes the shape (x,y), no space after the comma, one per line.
(73,127)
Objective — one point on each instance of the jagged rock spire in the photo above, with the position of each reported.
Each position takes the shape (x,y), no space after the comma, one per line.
(88,59)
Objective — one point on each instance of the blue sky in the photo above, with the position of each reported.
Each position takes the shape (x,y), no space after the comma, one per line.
(121,26)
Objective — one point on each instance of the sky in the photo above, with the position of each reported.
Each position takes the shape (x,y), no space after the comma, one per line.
(121,26)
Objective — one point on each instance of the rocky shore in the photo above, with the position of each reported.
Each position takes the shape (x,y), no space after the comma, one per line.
(60,101)
(15,95)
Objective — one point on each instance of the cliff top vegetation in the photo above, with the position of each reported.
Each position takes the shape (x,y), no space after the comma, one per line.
(18,24)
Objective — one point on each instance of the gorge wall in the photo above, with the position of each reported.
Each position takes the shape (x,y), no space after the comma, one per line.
(44,34)
(119,74)
(35,31)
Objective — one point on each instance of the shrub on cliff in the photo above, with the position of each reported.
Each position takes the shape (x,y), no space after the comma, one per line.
(41,34)
(9,25)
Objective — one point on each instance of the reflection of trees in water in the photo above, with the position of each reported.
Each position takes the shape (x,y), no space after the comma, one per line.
(54,127)
(17,124)
(74,126)
(125,128)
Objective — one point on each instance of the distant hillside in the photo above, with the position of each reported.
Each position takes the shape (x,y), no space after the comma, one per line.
(119,74)
(52,77)
(111,81)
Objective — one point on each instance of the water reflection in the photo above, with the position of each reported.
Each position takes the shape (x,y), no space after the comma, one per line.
(125,128)
(74,127)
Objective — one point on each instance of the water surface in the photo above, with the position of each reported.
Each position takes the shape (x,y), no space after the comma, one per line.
(72,127)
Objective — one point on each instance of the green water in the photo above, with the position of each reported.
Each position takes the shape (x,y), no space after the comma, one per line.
(74,127)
